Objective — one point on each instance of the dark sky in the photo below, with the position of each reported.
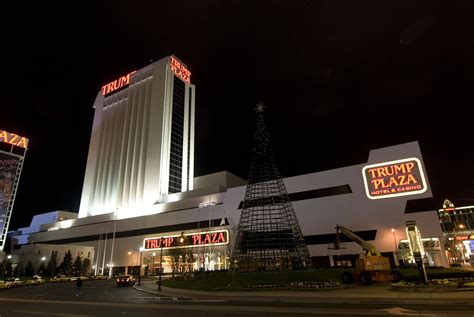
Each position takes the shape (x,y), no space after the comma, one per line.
(338,77)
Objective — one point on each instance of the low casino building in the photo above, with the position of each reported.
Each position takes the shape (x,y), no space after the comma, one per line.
(194,230)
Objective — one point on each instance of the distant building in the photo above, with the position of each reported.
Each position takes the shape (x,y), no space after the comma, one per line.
(457,224)
(142,141)
(41,222)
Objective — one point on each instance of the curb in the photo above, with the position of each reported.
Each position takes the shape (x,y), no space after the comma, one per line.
(316,300)
(147,291)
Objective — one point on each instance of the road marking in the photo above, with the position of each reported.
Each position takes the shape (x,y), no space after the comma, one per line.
(399,311)
(36,312)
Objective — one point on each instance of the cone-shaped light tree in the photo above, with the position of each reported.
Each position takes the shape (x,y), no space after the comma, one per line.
(268,236)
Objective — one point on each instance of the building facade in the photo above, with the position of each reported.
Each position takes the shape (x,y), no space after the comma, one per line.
(458,227)
(142,141)
(374,200)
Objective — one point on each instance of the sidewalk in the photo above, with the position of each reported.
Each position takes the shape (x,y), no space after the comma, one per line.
(374,294)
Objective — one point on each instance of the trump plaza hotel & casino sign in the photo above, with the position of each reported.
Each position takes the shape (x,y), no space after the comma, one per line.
(394,178)
(197,239)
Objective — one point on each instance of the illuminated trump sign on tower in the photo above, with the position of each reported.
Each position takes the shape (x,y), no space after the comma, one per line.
(395,178)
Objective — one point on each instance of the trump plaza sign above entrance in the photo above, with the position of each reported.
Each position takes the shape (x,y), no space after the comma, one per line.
(198,239)
(394,178)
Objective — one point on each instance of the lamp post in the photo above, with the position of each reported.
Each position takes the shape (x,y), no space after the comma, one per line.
(161,264)
(395,256)
(113,244)
(153,263)
(140,269)
(42,263)
(394,240)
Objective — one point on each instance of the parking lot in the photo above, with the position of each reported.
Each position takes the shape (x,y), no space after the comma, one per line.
(92,290)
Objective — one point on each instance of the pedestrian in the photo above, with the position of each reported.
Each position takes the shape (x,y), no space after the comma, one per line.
(78,286)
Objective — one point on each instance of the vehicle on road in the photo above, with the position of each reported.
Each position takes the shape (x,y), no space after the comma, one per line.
(372,268)
(4,285)
(15,282)
(125,280)
(59,278)
(35,280)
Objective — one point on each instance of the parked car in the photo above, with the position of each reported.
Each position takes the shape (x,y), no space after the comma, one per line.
(59,278)
(35,280)
(4,285)
(125,280)
(15,282)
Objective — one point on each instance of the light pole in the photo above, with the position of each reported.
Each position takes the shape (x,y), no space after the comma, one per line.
(161,264)
(395,256)
(41,265)
(113,244)
(153,263)
(394,240)
(9,257)
(140,269)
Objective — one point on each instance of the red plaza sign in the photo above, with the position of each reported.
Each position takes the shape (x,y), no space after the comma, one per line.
(13,139)
(180,70)
(219,237)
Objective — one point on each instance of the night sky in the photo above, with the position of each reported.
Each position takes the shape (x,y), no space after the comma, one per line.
(338,77)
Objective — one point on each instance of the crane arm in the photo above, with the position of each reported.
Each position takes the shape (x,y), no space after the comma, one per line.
(369,248)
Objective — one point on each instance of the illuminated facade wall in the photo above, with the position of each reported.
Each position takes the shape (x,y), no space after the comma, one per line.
(142,141)
(321,201)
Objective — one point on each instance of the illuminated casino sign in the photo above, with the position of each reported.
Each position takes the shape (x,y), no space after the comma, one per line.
(180,70)
(395,178)
(198,239)
(116,84)
(13,139)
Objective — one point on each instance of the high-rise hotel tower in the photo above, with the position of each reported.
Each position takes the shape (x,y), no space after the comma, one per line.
(142,141)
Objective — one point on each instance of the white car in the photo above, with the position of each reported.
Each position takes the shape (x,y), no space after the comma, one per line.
(15,282)
(35,280)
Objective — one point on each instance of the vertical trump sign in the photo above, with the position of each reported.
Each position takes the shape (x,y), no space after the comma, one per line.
(394,178)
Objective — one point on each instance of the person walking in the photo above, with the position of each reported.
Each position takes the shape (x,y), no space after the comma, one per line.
(78,286)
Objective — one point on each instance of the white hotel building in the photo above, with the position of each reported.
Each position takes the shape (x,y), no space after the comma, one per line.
(142,141)
(139,186)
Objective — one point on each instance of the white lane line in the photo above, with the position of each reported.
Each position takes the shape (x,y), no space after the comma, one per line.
(37,312)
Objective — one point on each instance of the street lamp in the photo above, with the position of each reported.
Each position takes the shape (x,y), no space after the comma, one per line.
(140,269)
(395,256)
(394,240)
(153,263)
(113,243)
(161,264)
(9,257)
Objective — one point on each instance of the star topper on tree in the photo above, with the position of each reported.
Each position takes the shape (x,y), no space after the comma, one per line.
(259,107)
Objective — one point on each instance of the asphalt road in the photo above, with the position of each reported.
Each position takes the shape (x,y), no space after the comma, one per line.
(103,298)
(94,291)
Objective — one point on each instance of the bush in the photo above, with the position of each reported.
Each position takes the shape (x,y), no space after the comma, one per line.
(412,275)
